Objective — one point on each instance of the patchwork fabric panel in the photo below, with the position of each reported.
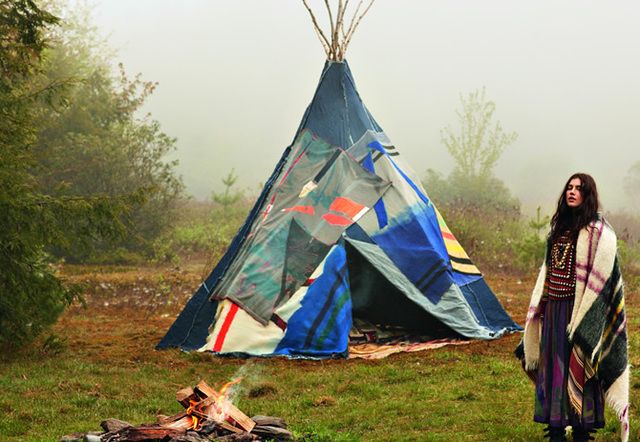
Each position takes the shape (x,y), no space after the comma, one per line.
(322,193)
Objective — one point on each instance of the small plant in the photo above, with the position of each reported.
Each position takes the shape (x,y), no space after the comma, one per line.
(53,345)
(228,198)
(530,250)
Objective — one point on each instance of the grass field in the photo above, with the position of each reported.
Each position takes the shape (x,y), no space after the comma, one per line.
(100,363)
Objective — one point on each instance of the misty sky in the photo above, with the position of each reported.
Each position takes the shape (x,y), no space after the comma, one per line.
(236,76)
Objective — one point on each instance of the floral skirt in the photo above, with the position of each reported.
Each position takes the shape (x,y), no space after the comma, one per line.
(552,404)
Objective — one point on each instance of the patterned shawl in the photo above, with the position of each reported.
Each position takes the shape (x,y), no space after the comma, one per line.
(598,323)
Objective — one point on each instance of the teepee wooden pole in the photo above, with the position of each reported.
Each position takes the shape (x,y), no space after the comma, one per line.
(323,39)
(336,46)
(354,24)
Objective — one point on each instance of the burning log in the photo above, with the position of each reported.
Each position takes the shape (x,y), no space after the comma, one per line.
(224,405)
(185,396)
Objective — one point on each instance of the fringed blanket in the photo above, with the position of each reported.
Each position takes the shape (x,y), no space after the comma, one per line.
(597,329)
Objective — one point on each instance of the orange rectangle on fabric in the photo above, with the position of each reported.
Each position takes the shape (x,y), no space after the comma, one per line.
(346,206)
(309,210)
(337,220)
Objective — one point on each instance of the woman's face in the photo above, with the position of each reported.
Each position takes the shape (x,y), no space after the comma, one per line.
(573,193)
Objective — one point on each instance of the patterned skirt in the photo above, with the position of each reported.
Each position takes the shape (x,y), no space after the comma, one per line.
(552,404)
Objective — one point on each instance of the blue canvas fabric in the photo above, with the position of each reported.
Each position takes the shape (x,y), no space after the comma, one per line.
(336,113)
(414,243)
(320,327)
(486,307)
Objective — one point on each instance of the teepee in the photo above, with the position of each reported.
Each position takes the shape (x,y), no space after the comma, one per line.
(343,243)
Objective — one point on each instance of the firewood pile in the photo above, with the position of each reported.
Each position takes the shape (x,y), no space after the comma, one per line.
(209,416)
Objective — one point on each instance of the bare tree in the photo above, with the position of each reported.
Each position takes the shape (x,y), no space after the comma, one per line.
(340,33)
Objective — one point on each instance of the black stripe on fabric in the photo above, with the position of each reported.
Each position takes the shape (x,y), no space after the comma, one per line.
(428,272)
(389,147)
(466,273)
(325,307)
(378,156)
(393,154)
(327,166)
(432,279)
(460,260)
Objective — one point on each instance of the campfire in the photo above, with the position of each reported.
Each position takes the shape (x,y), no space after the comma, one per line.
(209,416)
(206,406)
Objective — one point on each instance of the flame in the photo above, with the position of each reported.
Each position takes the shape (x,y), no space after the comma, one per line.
(225,387)
(217,408)
(222,402)
(194,420)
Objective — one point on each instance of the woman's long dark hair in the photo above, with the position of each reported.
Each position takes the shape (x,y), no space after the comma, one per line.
(571,220)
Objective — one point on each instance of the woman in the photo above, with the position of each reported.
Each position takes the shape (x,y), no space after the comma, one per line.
(575,341)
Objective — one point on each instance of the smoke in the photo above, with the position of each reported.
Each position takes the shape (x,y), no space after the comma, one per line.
(250,374)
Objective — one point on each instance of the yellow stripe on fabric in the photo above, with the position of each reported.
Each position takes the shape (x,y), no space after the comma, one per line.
(464,268)
(455,249)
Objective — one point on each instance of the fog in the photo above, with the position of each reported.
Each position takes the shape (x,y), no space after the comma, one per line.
(235,77)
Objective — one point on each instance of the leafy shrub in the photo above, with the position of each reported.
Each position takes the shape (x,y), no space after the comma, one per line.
(205,230)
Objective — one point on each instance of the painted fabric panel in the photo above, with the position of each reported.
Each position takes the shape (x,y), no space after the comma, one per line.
(310,209)
(320,327)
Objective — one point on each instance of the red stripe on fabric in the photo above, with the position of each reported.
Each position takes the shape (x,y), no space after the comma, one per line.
(308,210)
(448,235)
(308,282)
(225,327)
(337,220)
(346,206)
(576,369)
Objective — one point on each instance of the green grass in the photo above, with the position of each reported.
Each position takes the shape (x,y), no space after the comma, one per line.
(107,367)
